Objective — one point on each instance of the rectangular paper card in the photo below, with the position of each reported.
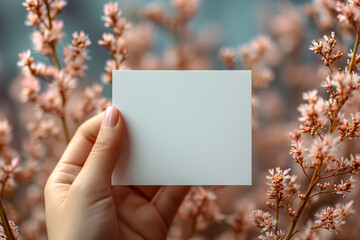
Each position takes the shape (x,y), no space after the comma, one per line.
(184,127)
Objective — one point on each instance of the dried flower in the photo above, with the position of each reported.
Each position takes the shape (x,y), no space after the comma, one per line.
(255,56)
(228,57)
(45,40)
(263,220)
(313,114)
(348,12)
(332,218)
(325,49)
(114,42)
(75,55)
(31,89)
(278,184)
(199,209)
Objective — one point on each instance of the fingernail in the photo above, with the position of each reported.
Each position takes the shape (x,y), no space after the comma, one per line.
(111,117)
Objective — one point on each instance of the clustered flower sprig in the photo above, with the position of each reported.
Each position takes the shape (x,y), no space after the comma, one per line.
(199,210)
(114,42)
(50,87)
(345,82)
(255,57)
(9,165)
(332,218)
(325,49)
(43,17)
(318,159)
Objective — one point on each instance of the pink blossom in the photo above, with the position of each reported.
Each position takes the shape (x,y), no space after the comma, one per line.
(346,186)
(199,208)
(323,152)
(311,96)
(278,184)
(80,40)
(110,66)
(297,151)
(25,59)
(263,220)
(10,168)
(44,128)
(314,111)
(112,14)
(44,41)
(57,7)
(258,57)
(115,43)
(50,101)
(108,41)
(348,12)
(32,5)
(76,54)
(91,102)
(228,57)
(345,83)
(41,70)
(65,83)
(325,48)
(31,88)
(332,218)
(32,19)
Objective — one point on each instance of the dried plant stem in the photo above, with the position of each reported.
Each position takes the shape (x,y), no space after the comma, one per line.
(277,215)
(4,218)
(54,55)
(5,222)
(351,68)
(333,120)
(57,63)
(303,223)
(3,183)
(63,99)
(356,44)
(315,178)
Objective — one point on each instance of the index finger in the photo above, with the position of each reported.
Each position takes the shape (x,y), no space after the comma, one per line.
(76,152)
(80,145)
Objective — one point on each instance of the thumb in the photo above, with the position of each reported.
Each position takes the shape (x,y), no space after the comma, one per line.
(107,148)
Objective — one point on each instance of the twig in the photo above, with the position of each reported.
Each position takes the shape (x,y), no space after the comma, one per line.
(56,60)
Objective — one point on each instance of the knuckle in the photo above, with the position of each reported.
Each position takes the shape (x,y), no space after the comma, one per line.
(82,130)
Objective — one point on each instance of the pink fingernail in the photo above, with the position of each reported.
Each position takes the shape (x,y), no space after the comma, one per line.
(111,117)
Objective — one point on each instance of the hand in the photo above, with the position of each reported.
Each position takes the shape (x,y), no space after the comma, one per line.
(80,201)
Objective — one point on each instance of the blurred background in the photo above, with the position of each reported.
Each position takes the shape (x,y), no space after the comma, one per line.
(227,17)
(269,37)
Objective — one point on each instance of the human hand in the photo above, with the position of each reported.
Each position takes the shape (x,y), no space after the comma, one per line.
(80,201)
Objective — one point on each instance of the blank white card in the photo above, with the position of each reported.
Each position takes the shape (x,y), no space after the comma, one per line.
(184,127)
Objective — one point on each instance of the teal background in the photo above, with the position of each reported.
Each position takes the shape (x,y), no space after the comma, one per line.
(238,20)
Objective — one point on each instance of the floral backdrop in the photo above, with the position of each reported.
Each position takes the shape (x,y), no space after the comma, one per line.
(305,111)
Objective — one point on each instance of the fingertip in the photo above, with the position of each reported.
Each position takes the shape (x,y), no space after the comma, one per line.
(111,117)
(107,147)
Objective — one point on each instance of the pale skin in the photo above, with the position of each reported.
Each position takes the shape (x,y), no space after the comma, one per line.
(80,201)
